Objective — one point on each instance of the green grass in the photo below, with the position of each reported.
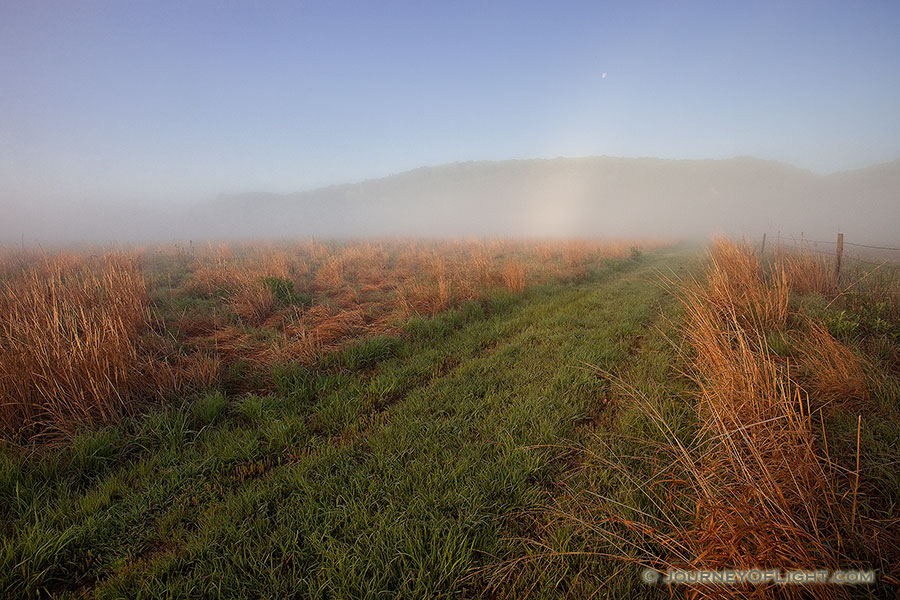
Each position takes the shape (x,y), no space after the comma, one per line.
(433,463)
(861,321)
(397,468)
(284,293)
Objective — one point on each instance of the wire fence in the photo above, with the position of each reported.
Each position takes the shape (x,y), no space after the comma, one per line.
(851,244)
(874,247)
(805,244)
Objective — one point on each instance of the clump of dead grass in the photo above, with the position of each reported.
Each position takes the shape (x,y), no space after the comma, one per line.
(253,302)
(514,276)
(768,494)
(735,285)
(833,375)
(70,329)
(806,272)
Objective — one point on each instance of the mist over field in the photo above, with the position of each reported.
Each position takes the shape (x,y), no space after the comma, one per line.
(467,299)
(586,197)
(172,121)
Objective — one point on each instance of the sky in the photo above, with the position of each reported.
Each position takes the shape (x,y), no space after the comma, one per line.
(156,102)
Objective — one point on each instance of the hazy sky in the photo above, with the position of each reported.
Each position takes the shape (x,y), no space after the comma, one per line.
(176,100)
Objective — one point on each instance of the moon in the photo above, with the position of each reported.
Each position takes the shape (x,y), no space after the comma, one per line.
(603,76)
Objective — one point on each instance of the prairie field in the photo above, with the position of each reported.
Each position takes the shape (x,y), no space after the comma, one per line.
(93,334)
(447,300)
(484,418)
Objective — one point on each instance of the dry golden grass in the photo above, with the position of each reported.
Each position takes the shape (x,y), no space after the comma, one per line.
(419,298)
(514,276)
(253,302)
(759,485)
(806,272)
(82,342)
(735,285)
(70,330)
(834,376)
(767,493)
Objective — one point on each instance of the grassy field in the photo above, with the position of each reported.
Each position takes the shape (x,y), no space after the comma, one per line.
(91,334)
(542,440)
(397,467)
(779,450)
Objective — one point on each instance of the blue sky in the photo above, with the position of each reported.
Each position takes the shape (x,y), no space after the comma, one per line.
(159,101)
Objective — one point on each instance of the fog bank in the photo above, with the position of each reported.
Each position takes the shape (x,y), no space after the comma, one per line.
(600,196)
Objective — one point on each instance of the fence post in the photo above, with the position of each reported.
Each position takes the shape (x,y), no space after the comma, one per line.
(837,254)
(762,248)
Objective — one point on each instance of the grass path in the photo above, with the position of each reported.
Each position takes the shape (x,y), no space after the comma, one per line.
(394,472)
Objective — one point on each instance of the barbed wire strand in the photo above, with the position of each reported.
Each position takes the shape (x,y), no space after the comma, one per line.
(846,244)
(873,247)
(885,264)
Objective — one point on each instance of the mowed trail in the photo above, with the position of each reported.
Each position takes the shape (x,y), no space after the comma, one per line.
(398,480)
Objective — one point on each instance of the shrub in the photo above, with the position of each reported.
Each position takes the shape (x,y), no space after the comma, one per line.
(283,291)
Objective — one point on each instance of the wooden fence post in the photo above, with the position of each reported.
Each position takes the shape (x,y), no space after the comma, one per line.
(762,248)
(837,254)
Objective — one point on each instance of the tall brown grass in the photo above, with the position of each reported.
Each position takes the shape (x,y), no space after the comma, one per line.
(82,342)
(386,279)
(735,285)
(758,486)
(806,272)
(253,302)
(833,375)
(514,276)
(70,330)
(768,494)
